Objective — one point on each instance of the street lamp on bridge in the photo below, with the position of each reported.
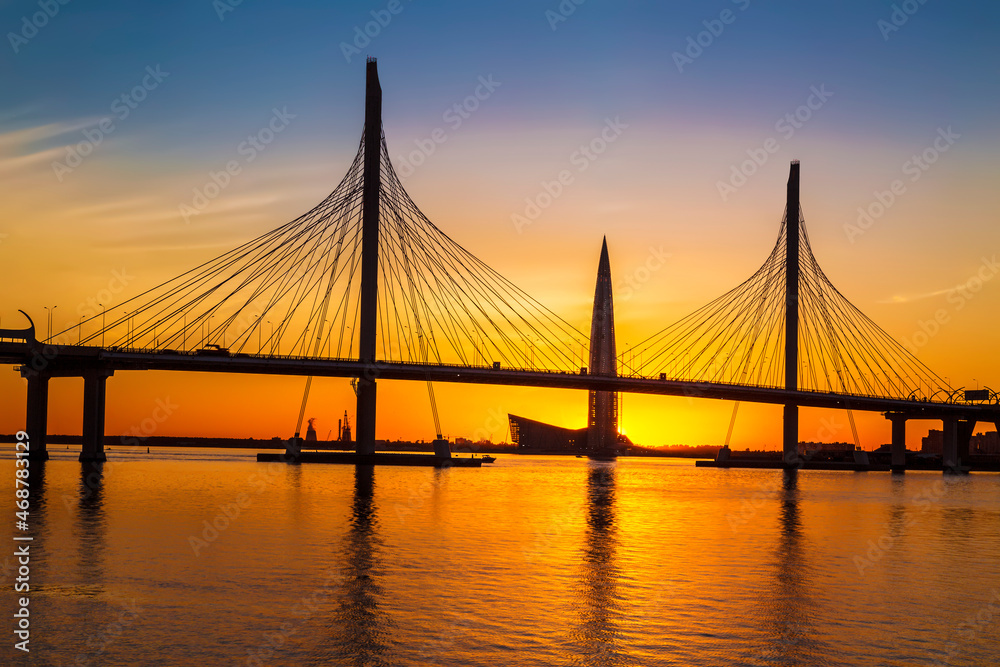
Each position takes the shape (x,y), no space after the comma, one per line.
(104,321)
(128,328)
(49,318)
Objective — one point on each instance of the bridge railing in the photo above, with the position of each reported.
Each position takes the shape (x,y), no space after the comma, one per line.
(952,398)
(25,336)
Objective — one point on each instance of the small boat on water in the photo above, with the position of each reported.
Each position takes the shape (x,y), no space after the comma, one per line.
(488,459)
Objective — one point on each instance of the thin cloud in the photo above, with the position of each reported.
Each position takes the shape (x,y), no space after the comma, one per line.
(29,148)
(917,297)
(16,141)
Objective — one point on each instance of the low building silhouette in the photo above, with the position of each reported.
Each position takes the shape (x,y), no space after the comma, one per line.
(600,436)
(531,435)
(985,444)
(933,442)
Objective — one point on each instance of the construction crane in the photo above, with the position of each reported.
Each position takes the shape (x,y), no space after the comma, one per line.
(294,446)
(441,446)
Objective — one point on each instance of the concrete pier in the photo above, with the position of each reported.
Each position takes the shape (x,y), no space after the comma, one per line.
(365,426)
(94,407)
(898,443)
(966,427)
(37,417)
(949,454)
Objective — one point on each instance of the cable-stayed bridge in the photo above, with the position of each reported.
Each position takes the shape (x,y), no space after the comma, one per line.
(365,286)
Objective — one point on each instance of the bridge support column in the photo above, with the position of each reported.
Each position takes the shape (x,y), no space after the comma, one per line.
(365,437)
(37,417)
(790,437)
(898,443)
(951,463)
(94,405)
(966,427)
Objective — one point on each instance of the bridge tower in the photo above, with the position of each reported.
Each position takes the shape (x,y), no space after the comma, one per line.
(365,426)
(602,421)
(790,439)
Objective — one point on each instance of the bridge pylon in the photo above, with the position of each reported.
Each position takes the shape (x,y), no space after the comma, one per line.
(790,430)
(365,433)
(898,447)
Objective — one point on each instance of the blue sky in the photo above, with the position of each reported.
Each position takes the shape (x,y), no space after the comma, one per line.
(939,66)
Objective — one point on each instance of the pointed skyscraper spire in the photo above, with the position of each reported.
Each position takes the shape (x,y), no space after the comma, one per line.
(602,423)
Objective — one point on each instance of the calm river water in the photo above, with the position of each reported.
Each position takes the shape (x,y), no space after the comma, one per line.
(205,557)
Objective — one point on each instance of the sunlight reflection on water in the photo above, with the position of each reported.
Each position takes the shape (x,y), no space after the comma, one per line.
(533,561)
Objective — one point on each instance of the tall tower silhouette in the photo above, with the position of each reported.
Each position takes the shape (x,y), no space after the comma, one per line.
(602,422)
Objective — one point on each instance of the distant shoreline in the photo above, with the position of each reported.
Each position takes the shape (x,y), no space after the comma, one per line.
(257,443)
(112,441)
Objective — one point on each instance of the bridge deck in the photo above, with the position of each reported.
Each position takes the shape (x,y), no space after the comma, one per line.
(73,360)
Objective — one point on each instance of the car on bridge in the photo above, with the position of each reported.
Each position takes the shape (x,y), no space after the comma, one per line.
(213,351)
